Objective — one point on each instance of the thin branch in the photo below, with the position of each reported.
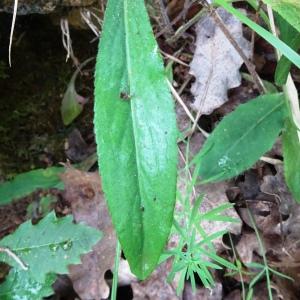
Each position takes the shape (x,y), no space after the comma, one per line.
(182,29)
(175,59)
(14,257)
(189,114)
(12,30)
(250,66)
(181,15)
(165,17)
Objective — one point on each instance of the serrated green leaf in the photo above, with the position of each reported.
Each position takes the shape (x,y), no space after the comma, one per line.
(25,183)
(292,38)
(288,9)
(18,285)
(50,246)
(241,138)
(136,134)
(291,155)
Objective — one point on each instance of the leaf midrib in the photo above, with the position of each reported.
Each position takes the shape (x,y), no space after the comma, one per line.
(45,245)
(129,72)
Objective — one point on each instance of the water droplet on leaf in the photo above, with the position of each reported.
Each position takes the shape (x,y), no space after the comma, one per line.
(53,247)
(67,245)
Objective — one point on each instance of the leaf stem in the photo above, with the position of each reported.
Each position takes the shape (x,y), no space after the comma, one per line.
(116,271)
(263,254)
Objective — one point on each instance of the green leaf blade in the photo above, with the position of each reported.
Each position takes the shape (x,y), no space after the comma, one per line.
(291,37)
(136,134)
(241,138)
(291,155)
(288,9)
(287,51)
(50,246)
(25,183)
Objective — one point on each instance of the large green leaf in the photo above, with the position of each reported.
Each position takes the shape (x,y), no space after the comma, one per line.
(136,134)
(25,183)
(288,9)
(50,246)
(292,38)
(287,51)
(241,138)
(291,154)
(19,285)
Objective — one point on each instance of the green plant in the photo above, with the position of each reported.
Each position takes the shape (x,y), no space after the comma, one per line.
(136,137)
(225,153)
(136,133)
(26,183)
(195,253)
(261,270)
(37,252)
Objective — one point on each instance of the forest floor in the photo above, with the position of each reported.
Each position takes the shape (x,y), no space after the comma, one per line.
(34,136)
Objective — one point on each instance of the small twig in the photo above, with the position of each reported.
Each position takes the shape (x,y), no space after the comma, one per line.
(272,161)
(189,172)
(67,41)
(180,101)
(185,83)
(87,17)
(250,66)
(175,59)
(12,30)
(180,31)
(14,257)
(181,15)
(165,17)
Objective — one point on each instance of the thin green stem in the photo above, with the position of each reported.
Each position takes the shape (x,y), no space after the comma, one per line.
(116,272)
(239,269)
(262,249)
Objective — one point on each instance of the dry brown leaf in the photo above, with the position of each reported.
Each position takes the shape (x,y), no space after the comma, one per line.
(156,287)
(275,185)
(76,147)
(234,295)
(216,196)
(83,192)
(216,63)
(247,246)
(266,215)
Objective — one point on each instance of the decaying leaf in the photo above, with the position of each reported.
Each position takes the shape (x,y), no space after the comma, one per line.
(215,195)
(83,192)
(275,185)
(247,246)
(156,286)
(216,63)
(76,147)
